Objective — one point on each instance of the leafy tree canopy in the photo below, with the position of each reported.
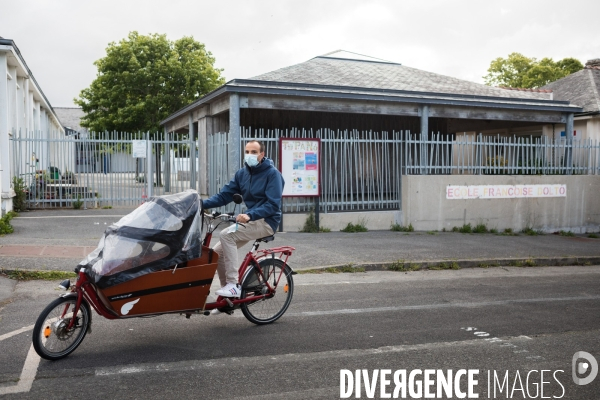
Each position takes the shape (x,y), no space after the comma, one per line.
(519,71)
(143,79)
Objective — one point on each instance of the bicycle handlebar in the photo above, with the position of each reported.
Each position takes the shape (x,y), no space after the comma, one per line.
(222,216)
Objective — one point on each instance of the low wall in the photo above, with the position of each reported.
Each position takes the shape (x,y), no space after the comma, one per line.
(425,206)
(373,220)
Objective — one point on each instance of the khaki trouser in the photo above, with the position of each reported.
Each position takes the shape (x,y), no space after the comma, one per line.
(230,241)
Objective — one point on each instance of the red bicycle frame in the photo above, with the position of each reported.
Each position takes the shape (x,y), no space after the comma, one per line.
(86,289)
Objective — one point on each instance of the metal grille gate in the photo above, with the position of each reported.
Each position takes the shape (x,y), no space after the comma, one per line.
(100,170)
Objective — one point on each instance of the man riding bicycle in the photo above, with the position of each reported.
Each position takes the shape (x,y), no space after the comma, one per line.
(261,186)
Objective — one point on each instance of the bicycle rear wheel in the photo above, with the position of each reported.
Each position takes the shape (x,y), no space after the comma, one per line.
(51,338)
(272,307)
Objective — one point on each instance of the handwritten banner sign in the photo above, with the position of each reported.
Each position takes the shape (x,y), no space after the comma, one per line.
(504,191)
(299,163)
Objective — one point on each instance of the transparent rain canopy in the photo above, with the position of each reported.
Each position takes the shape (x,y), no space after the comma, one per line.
(159,234)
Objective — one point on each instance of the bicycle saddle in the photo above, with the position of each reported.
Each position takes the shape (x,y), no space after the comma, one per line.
(267,239)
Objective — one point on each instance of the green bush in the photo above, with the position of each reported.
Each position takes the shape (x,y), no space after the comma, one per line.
(480,228)
(358,227)
(77,203)
(401,228)
(530,231)
(5,226)
(20,199)
(566,233)
(466,228)
(593,236)
(310,225)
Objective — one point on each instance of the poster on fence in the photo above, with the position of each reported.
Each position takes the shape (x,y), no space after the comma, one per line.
(300,165)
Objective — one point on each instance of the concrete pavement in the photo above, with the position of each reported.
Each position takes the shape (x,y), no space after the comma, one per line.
(59,239)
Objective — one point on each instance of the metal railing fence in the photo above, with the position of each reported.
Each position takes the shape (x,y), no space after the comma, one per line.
(500,155)
(361,170)
(99,170)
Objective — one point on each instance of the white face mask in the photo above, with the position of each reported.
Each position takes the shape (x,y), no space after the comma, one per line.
(251,160)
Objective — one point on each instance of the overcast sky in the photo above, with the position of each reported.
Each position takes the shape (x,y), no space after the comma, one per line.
(61,39)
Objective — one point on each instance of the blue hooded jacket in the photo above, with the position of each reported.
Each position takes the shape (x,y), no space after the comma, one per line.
(262,188)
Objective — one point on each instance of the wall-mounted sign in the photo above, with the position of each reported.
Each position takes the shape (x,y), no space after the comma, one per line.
(138,148)
(504,191)
(300,165)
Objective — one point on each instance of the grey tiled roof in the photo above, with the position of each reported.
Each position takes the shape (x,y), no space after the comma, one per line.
(377,75)
(333,76)
(581,88)
(70,117)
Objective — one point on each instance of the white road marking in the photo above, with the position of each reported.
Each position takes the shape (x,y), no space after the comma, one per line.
(27,375)
(503,343)
(336,283)
(282,358)
(13,333)
(435,306)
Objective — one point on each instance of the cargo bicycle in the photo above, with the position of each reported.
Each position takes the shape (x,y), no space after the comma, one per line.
(157,260)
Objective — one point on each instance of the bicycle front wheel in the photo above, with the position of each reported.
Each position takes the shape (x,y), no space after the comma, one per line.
(272,307)
(52,339)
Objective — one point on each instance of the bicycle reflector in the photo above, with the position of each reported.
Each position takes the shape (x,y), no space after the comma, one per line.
(47,331)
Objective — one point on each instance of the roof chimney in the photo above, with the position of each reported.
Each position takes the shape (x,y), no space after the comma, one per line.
(593,64)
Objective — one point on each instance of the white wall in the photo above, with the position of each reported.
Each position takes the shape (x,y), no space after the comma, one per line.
(23,109)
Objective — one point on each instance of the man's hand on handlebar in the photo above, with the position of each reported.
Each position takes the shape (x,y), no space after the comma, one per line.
(243,218)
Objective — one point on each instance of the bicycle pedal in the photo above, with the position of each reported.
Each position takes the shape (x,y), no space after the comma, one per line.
(229,303)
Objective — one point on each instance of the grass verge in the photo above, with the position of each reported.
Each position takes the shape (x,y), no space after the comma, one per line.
(346,269)
(27,275)
(401,266)
(444,265)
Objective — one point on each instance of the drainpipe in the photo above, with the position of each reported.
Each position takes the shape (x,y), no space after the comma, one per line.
(235,139)
(569,136)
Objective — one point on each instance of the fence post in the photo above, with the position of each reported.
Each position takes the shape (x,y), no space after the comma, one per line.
(192,131)
(479,153)
(167,167)
(149,176)
(423,159)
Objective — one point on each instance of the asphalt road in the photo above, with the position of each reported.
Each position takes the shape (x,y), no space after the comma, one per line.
(497,320)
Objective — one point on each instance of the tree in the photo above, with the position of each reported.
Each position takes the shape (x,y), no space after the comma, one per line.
(143,79)
(519,71)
